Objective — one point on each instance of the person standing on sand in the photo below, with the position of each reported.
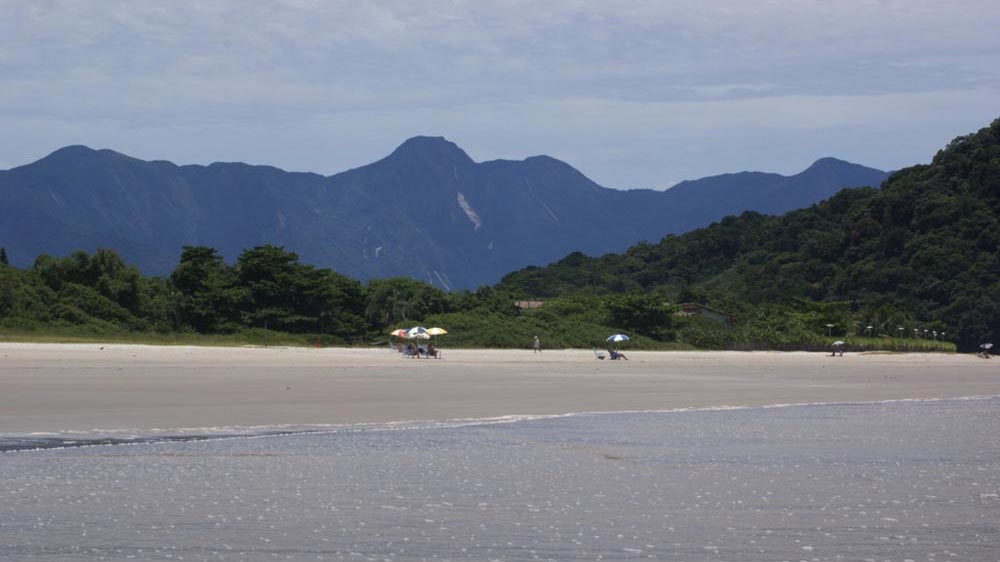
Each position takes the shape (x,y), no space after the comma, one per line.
(538,345)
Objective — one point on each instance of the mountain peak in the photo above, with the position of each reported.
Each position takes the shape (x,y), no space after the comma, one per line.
(74,148)
(72,151)
(434,148)
(830,163)
(830,160)
(65,157)
(844,173)
(76,154)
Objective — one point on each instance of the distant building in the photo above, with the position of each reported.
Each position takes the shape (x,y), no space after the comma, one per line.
(528,305)
(693,308)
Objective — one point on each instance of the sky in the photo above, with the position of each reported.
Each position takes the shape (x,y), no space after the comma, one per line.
(633,93)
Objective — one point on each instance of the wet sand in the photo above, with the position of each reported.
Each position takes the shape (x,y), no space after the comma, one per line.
(59,387)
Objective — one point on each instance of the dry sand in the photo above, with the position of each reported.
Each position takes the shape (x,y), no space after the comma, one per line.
(52,387)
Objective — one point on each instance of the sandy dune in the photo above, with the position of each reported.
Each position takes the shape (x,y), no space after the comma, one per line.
(51,387)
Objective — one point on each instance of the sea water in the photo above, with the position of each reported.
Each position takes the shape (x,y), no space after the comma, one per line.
(892,481)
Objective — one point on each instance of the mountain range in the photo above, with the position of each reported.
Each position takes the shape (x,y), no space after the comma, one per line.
(426,211)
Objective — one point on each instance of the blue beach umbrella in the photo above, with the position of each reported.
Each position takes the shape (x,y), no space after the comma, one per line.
(418,332)
(618,338)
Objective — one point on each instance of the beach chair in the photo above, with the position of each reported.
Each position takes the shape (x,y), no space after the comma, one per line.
(597,354)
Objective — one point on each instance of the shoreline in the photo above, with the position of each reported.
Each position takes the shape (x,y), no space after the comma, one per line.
(44,441)
(84,387)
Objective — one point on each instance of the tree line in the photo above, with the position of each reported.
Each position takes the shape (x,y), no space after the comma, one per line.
(266,287)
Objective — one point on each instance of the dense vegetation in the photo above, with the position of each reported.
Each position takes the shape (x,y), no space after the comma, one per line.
(267,288)
(921,253)
(902,267)
(267,295)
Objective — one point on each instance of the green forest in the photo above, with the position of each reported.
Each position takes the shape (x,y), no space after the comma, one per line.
(921,253)
(914,265)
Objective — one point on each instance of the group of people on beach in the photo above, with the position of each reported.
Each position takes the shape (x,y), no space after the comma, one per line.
(417,351)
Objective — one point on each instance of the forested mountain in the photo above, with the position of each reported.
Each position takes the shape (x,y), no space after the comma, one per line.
(426,211)
(921,253)
(924,248)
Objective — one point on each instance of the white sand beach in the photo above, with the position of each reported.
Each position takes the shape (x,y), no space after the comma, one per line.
(58,387)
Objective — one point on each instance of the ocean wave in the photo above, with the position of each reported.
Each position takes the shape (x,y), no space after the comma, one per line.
(47,440)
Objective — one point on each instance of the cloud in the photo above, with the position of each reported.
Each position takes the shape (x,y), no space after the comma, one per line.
(235,73)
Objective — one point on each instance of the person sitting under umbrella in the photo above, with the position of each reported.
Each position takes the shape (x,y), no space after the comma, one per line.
(615,355)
